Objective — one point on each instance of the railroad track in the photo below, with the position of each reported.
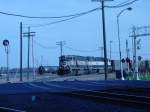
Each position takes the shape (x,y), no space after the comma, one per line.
(113,98)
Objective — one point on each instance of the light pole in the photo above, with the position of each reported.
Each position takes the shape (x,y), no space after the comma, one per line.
(121,69)
(6,45)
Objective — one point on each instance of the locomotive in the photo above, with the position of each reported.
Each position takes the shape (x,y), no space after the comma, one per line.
(76,65)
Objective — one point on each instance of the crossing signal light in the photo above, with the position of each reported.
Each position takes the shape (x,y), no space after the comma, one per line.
(123,60)
(128,60)
(139,58)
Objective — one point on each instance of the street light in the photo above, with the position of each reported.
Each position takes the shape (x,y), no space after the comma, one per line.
(121,69)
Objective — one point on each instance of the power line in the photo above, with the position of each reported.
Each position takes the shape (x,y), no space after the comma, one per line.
(66,16)
(40,17)
(63,20)
(43,46)
(125,3)
(95,50)
(122,4)
(70,48)
(69,17)
(73,49)
(55,22)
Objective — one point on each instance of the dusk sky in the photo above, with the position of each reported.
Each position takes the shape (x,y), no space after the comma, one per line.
(83,34)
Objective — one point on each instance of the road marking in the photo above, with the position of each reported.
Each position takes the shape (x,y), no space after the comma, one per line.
(10,109)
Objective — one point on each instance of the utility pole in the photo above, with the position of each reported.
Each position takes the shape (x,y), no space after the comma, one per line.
(61,44)
(29,34)
(33,58)
(21,51)
(104,35)
(104,41)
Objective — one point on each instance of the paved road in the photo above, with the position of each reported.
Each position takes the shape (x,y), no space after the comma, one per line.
(49,96)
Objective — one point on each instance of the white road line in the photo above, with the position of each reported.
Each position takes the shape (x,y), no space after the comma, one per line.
(41,87)
(11,109)
(91,84)
(99,83)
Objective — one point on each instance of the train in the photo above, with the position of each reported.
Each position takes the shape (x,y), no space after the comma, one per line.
(76,65)
(80,65)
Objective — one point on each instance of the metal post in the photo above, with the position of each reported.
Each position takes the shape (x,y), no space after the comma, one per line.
(61,47)
(6,45)
(136,75)
(21,51)
(110,50)
(28,54)
(133,67)
(127,51)
(104,40)
(7,64)
(121,69)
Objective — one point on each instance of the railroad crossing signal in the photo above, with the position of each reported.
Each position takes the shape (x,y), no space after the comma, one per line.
(138,32)
(139,58)
(123,60)
(139,44)
(128,60)
(141,31)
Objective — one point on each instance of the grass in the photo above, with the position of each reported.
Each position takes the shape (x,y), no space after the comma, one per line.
(142,77)
(145,78)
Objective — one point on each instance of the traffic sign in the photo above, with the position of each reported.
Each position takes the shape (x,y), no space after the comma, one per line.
(6,42)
